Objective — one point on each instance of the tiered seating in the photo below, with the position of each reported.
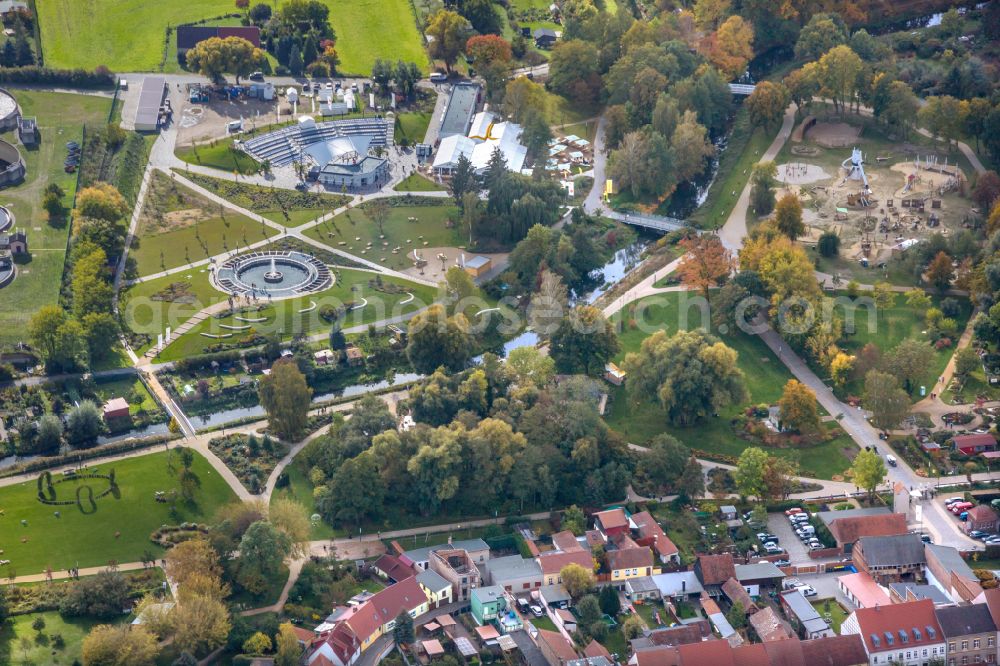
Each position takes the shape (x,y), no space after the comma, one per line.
(283,146)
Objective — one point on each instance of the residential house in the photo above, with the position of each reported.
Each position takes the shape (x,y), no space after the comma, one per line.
(770,627)
(970,632)
(555,596)
(356,628)
(647,532)
(611,523)
(9,8)
(827,651)
(737,594)
(720,622)
(948,570)
(862,591)
(804,615)
(188,36)
(556,649)
(678,585)
(457,567)
(629,560)
(115,408)
(567,542)
(694,631)
(713,571)
(981,517)
(324,357)
(419,558)
(849,529)
(642,589)
(488,603)
(900,634)
(437,589)
(889,558)
(900,593)
(594,650)
(551,563)
(545,38)
(974,444)
(391,568)
(759,575)
(513,573)
(353,355)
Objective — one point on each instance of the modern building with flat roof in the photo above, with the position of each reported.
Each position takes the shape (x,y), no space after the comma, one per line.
(147,112)
(462,103)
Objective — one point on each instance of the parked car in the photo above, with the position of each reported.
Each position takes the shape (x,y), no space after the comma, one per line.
(536,611)
(806,590)
(992,540)
(953,500)
(781,563)
(790,583)
(438,77)
(764,537)
(979,534)
(257,76)
(773,549)
(816,545)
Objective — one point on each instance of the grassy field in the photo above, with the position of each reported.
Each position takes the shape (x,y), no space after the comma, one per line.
(123,388)
(42,651)
(412,126)
(639,420)
(219,156)
(300,489)
(284,316)
(60,119)
(179,226)
(418,183)
(352,230)
(146,310)
(132,31)
(892,326)
(113,528)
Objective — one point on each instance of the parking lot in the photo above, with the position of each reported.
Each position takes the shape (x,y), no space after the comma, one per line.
(778,525)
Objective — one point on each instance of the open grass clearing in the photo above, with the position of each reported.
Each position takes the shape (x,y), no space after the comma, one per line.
(149,307)
(220,155)
(411,126)
(61,117)
(416,182)
(113,528)
(42,650)
(371,29)
(408,228)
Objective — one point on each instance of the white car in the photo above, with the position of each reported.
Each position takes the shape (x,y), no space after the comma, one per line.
(536,611)
(806,590)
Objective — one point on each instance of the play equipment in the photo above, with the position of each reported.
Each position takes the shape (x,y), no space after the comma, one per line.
(855,166)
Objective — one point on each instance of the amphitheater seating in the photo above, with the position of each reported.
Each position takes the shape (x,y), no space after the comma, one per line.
(282,146)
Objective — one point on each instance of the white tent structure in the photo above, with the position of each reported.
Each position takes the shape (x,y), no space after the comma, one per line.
(485,135)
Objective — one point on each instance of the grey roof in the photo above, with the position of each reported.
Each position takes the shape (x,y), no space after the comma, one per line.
(366,165)
(488,594)
(892,550)
(147,111)
(554,594)
(10,5)
(599,660)
(432,580)
(920,592)
(642,584)
(670,584)
(965,620)
(477,261)
(799,605)
(758,571)
(951,560)
(829,516)
(424,554)
(727,508)
(461,106)
(511,567)
(538,33)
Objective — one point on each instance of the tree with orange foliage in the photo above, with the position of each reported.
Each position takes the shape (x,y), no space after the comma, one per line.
(706,263)
(488,49)
(940,271)
(731,47)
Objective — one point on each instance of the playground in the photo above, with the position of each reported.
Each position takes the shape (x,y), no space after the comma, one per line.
(879,195)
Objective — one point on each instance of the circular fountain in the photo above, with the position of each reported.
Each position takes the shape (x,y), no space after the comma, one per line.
(272,274)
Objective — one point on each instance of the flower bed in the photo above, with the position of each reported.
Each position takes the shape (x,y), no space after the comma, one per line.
(251,458)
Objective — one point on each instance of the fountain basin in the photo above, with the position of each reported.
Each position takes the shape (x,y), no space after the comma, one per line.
(272,275)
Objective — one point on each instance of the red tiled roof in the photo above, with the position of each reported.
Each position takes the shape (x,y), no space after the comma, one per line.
(783,653)
(566,541)
(895,617)
(611,518)
(594,538)
(849,530)
(748,654)
(692,632)
(559,646)
(846,650)
(659,656)
(982,513)
(716,569)
(650,529)
(630,558)
(717,653)
(737,593)
(553,562)
(304,635)
(394,568)
(769,626)
(595,649)
(993,603)
(973,440)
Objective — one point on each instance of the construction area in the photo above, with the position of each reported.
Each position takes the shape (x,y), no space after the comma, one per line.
(880,197)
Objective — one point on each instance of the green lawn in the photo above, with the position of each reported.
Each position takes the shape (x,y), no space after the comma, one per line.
(411,126)
(115,529)
(284,316)
(131,32)
(123,388)
(42,651)
(415,182)
(61,118)
(639,419)
(837,613)
(353,230)
(892,326)
(219,156)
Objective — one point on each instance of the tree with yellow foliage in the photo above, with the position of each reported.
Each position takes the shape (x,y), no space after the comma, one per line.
(841,367)
(798,408)
(731,47)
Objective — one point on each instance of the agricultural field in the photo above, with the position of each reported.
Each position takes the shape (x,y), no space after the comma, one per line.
(639,420)
(407,228)
(132,32)
(179,226)
(114,527)
(61,118)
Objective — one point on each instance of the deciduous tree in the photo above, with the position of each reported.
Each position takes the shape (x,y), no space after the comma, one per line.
(940,271)
(691,147)
(749,475)
(888,403)
(577,580)
(438,340)
(584,341)
(731,47)
(788,216)
(766,104)
(798,408)
(868,471)
(120,645)
(706,263)
(216,56)
(449,31)
(285,396)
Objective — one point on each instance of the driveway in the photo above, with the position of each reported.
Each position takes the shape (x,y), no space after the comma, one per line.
(778,524)
(532,655)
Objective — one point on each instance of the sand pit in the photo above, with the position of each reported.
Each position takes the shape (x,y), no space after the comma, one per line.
(799,173)
(832,135)
(926,181)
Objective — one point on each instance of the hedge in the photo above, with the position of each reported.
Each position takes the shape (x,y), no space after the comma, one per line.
(101,77)
(39,464)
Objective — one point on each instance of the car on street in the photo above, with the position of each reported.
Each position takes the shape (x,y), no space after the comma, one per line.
(979,534)
(790,583)
(953,500)
(781,563)
(257,76)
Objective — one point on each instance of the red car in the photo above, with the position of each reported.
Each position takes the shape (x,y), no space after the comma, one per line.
(792,512)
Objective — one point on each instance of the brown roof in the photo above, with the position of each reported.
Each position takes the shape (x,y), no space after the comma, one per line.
(559,646)
(594,538)
(737,593)
(630,558)
(393,568)
(553,562)
(978,439)
(717,653)
(650,529)
(769,626)
(611,518)
(783,653)
(658,656)
(895,617)
(849,530)
(749,654)
(846,650)
(566,541)
(716,569)
(982,513)
(693,632)
(595,649)
(993,603)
